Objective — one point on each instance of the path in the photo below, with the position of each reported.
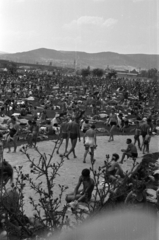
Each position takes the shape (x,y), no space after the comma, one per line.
(70,171)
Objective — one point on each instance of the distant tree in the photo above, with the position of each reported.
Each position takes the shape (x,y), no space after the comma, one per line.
(12,67)
(85,72)
(112,74)
(97,72)
(151,73)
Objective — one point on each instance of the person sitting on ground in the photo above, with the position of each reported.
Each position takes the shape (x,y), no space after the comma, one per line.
(88,186)
(131,151)
(115,169)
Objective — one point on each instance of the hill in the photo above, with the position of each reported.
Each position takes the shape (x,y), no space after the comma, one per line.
(83,59)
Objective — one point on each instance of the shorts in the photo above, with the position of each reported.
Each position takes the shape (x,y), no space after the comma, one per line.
(144,134)
(113,124)
(135,155)
(64,135)
(136,137)
(146,142)
(73,136)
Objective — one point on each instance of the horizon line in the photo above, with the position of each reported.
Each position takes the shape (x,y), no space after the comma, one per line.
(4,52)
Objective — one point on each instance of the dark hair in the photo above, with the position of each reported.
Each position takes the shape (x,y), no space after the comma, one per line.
(93,126)
(149,120)
(116,156)
(86,172)
(128,139)
(7,170)
(13,118)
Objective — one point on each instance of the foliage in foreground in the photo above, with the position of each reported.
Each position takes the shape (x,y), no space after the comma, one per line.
(50,217)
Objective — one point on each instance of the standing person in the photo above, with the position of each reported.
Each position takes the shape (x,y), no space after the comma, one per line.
(145,127)
(64,135)
(88,186)
(146,143)
(13,133)
(1,148)
(74,133)
(131,151)
(137,135)
(90,142)
(32,138)
(113,121)
(85,127)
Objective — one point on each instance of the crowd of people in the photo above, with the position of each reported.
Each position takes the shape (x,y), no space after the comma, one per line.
(71,108)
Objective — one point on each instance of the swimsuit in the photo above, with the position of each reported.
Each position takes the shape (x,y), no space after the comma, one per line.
(89,142)
(73,136)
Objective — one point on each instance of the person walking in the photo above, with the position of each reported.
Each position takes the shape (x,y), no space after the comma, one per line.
(90,142)
(113,121)
(74,134)
(64,134)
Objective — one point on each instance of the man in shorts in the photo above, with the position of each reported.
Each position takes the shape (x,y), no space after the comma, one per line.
(146,128)
(74,133)
(64,135)
(90,142)
(131,151)
(88,186)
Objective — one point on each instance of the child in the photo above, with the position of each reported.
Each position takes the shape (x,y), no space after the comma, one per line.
(146,143)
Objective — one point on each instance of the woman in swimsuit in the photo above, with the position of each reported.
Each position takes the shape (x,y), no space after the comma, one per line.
(113,121)
(90,142)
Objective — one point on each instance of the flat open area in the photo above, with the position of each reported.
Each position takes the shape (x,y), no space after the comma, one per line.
(70,171)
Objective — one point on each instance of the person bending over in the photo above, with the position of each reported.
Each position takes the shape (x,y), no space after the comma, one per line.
(88,186)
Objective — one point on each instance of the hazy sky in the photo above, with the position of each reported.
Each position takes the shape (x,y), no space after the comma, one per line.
(123,26)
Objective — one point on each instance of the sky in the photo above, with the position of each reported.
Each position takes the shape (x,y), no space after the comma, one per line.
(122,26)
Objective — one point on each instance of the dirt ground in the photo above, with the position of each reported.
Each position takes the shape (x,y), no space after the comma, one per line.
(71,169)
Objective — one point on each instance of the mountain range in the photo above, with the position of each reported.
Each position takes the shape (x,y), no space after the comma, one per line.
(82,59)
